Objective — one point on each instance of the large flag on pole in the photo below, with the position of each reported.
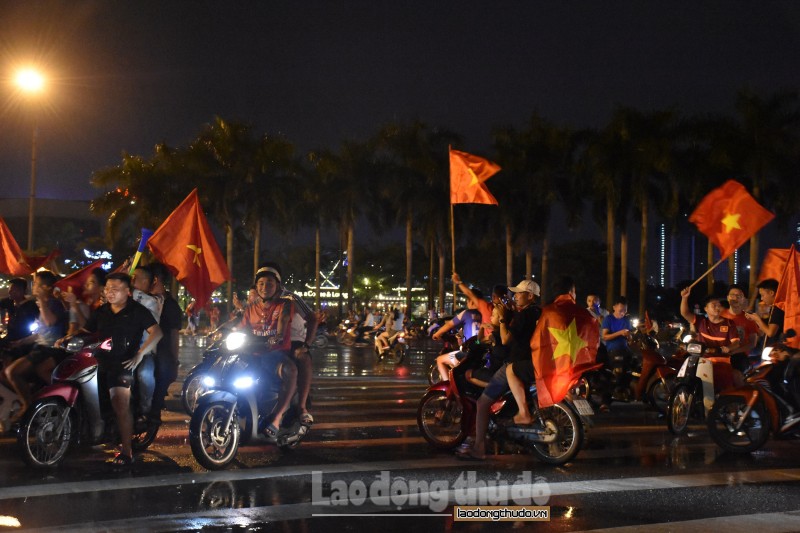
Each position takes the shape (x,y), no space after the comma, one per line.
(185,244)
(566,336)
(467,176)
(12,261)
(788,296)
(729,216)
(773,264)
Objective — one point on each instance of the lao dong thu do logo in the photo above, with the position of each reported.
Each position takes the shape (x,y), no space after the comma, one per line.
(386,490)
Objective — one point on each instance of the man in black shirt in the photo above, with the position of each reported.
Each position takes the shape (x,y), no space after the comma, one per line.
(22,312)
(167,349)
(124,321)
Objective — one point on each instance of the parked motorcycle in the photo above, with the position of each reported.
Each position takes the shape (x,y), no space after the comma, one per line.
(743,417)
(644,376)
(236,405)
(701,378)
(447,411)
(74,411)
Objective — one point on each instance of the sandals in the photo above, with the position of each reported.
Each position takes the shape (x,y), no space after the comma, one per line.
(306,419)
(122,461)
(271,433)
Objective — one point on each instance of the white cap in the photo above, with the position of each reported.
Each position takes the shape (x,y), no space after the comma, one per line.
(527,285)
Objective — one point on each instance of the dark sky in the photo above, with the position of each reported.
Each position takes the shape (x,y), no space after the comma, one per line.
(126,75)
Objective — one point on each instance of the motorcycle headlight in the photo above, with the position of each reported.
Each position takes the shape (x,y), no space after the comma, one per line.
(75,344)
(765,355)
(635,323)
(209,382)
(244,382)
(235,340)
(34,326)
(687,339)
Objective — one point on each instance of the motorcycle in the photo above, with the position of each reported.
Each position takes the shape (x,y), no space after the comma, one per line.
(234,408)
(451,343)
(447,412)
(74,411)
(397,348)
(701,378)
(645,376)
(743,417)
(321,339)
(193,384)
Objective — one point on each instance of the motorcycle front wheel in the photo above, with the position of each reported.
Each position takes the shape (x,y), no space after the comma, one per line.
(46,434)
(726,414)
(440,420)
(679,409)
(434,376)
(191,391)
(320,341)
(658,393)
(214,443)
(561,420)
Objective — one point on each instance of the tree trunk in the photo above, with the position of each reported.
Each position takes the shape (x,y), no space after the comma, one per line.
(256,246)
(753,265)
(229,259)
(409,252)
(609,250)
(441,279)
(431,274)
(643,258)
(509,255)
(528,263)
(545,268)
(350,247)
(318,267)
(623,262)
(710,258)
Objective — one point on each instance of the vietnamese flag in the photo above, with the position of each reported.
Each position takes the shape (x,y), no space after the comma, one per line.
(729,216)
(39,261)
(75,281)
(12,261)
(787,296)
(773,264)
(467,174)
(566,336)
(185,244)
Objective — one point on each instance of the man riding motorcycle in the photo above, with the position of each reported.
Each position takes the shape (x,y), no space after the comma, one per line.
(270,316)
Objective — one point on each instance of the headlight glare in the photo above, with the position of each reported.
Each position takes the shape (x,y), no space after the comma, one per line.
(235,340)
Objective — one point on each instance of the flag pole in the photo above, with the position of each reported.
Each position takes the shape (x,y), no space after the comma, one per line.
(707,272)
(452,228)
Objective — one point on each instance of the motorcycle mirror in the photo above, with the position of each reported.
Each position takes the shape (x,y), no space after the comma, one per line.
(790,333)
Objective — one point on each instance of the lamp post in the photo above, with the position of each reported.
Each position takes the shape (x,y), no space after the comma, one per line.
(31,82)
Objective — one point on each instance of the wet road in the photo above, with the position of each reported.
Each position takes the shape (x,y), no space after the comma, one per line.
(366,467)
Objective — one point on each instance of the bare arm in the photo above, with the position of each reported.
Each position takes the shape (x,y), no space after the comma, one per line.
(686,313)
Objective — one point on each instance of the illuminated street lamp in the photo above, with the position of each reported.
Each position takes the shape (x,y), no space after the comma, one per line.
(31,82)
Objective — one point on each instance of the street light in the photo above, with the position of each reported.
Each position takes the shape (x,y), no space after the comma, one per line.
(30,81)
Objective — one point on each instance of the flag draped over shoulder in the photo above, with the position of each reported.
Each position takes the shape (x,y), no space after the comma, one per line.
(467,174)
(185,244)
(12,261)
(566,336)
(773,264)
(787,296)
(75,281)
(729,216)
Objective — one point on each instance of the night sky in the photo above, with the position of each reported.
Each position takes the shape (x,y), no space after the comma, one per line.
(127,75)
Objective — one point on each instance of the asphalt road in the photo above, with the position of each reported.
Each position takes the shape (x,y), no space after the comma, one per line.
(365,467)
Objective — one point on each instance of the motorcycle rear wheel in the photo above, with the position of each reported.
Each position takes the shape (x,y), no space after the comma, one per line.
(434,376)
(679,410)
(561,419)
(724,416)
(441,420)
(191,391)
(320,341)
(658,393)
(213,444)
(39,438)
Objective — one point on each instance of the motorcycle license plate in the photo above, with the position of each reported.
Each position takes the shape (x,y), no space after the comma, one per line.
(584,408)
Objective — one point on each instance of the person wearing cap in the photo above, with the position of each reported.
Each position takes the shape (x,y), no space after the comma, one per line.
(516,329)
(270,317)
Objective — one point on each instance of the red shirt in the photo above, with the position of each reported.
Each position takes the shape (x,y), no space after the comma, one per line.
(263,319)
(716,335)
(747,328)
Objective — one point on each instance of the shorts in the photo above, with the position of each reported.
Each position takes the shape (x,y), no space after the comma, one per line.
(270,362)
(498,384)
(115,375)
(295,346)
(39,354)
(524,371)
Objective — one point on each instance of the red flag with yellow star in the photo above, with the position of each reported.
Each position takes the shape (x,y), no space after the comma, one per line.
(729,216)
(467,174)
(566,337)
(787,297)
(12,261)
(185,244)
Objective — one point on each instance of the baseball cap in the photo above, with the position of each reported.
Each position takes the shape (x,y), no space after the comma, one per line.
(527,285)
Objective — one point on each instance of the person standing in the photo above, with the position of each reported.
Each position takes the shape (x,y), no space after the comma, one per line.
(166,357)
